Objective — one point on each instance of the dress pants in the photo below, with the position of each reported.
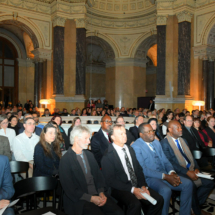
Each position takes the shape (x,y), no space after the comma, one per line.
(9,211)
(165,190)
(200,194)
(110,208)
(134,205)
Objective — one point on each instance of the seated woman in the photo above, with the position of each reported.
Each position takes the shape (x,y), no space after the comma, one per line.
(47,152)
(76,122)
(5,131)
(169,117)
(210,129)
(13,124)
(154,123)
(84,112)
(202,133)
(58,120)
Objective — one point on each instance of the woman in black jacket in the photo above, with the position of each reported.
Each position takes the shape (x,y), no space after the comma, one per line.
(154,123)
(47,152)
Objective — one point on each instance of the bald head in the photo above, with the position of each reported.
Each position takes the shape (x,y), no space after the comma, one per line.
(175,129)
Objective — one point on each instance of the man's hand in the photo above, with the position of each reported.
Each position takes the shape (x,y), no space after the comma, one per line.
(97,200)
(31,166)
(137,193)
(103,199)
(196,171)
(4,203)
(144,190)
(173,179)
(210,143)
(192,175)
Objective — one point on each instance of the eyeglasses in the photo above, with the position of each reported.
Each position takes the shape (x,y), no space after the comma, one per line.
(149,132)
(108,122)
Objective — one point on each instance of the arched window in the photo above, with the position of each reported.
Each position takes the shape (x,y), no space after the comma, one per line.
(8,73)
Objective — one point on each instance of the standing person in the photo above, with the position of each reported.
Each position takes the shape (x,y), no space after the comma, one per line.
(124,175)
(82,180)
(151,106)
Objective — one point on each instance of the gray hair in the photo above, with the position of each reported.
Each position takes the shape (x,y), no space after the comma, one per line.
(110,133)
(27,114)
(26,119)
(78,131)
(2,118)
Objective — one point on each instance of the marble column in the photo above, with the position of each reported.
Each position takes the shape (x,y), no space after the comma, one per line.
(210,85)
(184,46)
(204,80)
(161,59)
(36,86)
(58,60)
(80,60)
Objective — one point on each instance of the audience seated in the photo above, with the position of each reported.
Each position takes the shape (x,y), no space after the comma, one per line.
(130,138)
(36,119)
(154,123)
(13,121)
(47,152)
(5,131)
(76,122)
(5,147)
(134,130)
(6,185)
(210,128)
(82,180)
(180,156)
(169,117)
(100,141)
(46,113)
(159,172)
(24,144)
(125,176)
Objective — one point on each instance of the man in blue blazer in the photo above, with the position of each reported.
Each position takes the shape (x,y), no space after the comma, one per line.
(6,185)
(177,151)
(159,172)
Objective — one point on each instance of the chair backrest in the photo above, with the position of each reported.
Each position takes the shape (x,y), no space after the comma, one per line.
(197,154)
(89,122)
(29,186)
(96,122)
(209,152)
(18,166)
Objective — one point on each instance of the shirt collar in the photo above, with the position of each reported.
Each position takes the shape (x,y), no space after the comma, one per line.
(119,147)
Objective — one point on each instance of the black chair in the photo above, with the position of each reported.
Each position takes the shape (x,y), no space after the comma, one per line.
(19,167)
(89,122)
(210,152)
(197,154)
(96,122)
(31,186)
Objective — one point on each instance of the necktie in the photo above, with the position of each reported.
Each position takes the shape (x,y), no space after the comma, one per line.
(85,166)
(184,155)
(130,169)
(152,147)
(108,138)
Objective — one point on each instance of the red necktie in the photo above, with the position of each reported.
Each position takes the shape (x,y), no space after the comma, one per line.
(109,138)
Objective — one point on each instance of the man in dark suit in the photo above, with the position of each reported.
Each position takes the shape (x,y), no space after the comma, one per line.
(151,105)
(82,180)
(180,156)
(6,185)
(134,130)
(130,137)
(191,135)
(100,140)
(46,113)
(125,176)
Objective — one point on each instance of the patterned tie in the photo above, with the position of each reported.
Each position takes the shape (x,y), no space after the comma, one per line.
(184,155)
(108,138)
(85,166)
(130,170)
(152,147)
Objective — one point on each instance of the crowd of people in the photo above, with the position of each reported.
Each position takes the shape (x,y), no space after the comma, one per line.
(153,157)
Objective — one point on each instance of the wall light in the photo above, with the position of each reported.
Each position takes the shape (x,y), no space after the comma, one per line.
(44,102)
(198,103)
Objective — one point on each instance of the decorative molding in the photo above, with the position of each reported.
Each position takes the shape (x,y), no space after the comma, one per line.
(184,16)
(166,100)
(42,54)
(204,52)
(25,62)
(80,23)
(161,20)
(58,21)
(127,62)
(76,98)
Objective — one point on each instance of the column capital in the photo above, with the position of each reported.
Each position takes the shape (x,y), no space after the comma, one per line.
(41,55)
(80,23)
(58,21)
(211,58)
(184,16)
(162,19)
(25,62)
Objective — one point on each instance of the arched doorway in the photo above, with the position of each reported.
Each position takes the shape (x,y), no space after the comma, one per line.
(8,73)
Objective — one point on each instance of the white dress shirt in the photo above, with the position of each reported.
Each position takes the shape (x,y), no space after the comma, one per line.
(121,154)
(10,134)
(153,151)
(164,128)
(106,135)
(181,148)
(23,147)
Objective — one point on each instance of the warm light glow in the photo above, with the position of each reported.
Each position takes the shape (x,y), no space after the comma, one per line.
(198,103)
(44,101)
(152,54)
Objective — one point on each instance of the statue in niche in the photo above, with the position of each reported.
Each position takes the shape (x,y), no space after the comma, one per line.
(29,46)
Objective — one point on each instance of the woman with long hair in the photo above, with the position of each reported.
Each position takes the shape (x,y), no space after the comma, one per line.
(169,117)
(210,128)
(76,122)
(154,123)
(47,152)
(58,120)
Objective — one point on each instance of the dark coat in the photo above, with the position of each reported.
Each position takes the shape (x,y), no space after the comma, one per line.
(134,130)
(74,183)
(211,134)
(99,145)
(66,138)
(114,172)
(130,137)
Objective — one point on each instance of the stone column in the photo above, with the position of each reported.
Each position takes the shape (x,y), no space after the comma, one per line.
(210,84)
(184,51)
(58,55)
(205,79)
(80,60)
(161,55)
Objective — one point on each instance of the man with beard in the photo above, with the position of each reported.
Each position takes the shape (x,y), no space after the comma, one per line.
(36,119)
(101,140)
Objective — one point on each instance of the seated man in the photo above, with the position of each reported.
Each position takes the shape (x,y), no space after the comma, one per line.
(6,185)
(159,172)
(178,153)
(24,144)
(134,130)
(100,141)
(36,119)
(125,176)
(82,180)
